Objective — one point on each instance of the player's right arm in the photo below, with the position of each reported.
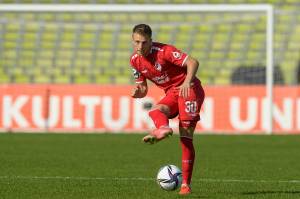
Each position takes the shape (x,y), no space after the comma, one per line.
(140,90)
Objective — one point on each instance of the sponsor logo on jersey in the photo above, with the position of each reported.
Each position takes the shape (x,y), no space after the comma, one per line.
(176,55)
(144,71)
(161,79)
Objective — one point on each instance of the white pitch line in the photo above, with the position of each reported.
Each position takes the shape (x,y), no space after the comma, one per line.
(147,179)
(247,180)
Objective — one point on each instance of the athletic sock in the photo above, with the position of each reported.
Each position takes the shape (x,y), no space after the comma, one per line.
(159,118)
(188,157)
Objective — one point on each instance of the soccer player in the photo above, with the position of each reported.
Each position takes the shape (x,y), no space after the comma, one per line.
(174,72)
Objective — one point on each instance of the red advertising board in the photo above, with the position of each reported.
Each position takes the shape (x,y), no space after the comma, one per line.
(99,108)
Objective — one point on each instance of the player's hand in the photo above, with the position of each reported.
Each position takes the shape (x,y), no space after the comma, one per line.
(135,92)
(138,92)
(184,89)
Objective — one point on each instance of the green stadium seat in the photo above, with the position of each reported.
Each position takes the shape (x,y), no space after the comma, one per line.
(62,79)
(115,70)
(137,16)
(120,79)
(41,79)
(215,55)
(10,54)
(236,46)
(225,76)
(254,55)
(63,63)
(101,17)
(199,46)
(84,63)
(155,17)
(103,79)
(256,45)
(122,17)
(164,38)
(192,17)
(233,55)
(48,63)
(289,71)
(9,44)
(231,64)
(105,40)
(68,36)
(10,36)
(26,62)
(21,78)
(4,78)
(273,1)
(82,79)
(219,46)
(181,45)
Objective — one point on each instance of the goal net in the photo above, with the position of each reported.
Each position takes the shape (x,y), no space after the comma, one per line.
(92,44)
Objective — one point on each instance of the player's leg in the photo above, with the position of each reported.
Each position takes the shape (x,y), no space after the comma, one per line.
(186,130)
(189,109)
(160,114)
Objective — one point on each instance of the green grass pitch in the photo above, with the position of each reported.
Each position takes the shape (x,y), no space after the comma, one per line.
(121,166)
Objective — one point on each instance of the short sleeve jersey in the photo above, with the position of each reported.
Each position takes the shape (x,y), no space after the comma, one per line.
(163,66)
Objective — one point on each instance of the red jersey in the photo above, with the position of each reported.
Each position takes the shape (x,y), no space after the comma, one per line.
(163,66)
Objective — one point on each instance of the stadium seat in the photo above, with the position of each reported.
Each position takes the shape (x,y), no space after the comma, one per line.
(62,79)
(21,78)
(103,79)
(122,79)
(4,78)
(70,44)
(41,79)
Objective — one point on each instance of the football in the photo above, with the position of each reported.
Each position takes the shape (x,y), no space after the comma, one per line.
(169,177)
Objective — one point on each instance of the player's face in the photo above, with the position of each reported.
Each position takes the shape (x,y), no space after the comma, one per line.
(142,44)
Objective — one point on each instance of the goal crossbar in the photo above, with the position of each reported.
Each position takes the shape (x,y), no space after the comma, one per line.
(135,8)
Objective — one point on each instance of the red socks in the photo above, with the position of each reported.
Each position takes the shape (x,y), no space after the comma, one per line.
(159,118)
(188,151)
(188,157)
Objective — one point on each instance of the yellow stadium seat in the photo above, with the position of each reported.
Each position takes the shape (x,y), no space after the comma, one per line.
(120,79)
(103,79)
(63,79)
(21,78)
(4,78)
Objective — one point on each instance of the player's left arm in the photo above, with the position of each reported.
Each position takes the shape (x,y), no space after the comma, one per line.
(192,66)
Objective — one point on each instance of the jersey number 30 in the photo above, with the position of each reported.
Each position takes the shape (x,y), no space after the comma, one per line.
(190,106)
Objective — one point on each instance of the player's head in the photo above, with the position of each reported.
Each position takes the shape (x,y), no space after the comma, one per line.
(142,39)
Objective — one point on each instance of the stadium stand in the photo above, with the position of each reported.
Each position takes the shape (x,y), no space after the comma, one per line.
(77,48)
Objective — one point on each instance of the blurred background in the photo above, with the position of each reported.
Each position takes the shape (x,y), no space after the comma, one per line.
(94,48)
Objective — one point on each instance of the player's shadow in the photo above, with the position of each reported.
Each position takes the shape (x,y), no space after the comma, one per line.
(270,192)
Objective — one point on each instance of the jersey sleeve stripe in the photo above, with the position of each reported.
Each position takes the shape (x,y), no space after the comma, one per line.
(184,60)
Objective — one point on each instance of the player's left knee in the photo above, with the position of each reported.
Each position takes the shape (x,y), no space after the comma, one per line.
(186,124)
(187,128)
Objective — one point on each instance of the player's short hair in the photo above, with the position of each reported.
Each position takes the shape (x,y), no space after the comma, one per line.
(143,29)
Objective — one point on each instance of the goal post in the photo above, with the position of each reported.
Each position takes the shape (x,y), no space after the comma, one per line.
(167,8)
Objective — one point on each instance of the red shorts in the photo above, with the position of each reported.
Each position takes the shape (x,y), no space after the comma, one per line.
(188,109)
